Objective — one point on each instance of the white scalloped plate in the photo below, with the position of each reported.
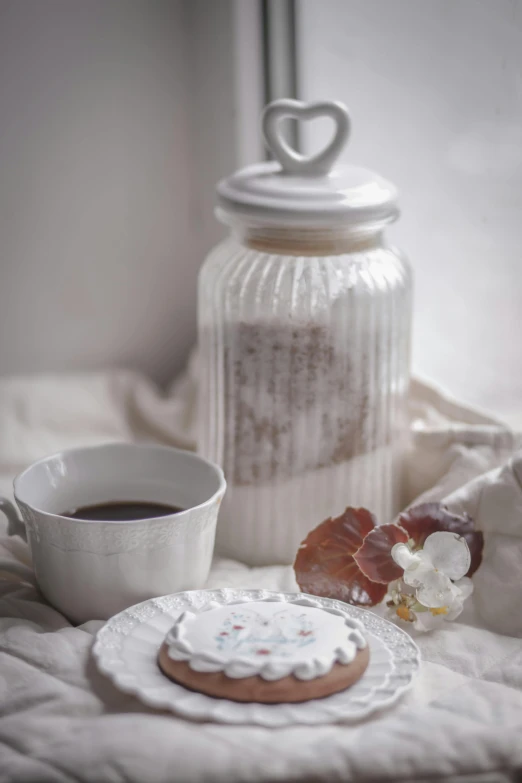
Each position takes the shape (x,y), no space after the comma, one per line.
(127,646)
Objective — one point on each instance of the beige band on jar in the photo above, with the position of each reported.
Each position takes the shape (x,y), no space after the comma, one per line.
(309,242)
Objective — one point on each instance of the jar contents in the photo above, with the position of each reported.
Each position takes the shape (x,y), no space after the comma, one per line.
(294,405)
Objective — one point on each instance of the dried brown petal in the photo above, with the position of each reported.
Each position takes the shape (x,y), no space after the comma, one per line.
(427,518)
(374,557)
(325,566)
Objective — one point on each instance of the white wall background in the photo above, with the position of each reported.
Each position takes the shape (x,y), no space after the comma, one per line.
(116,119)
(435,92)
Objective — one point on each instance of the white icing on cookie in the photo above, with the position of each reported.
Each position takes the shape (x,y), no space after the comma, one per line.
(271,638)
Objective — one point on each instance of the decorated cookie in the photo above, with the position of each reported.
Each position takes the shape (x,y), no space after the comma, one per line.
(268,651)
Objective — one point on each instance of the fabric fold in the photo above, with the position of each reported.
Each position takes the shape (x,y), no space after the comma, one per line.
(61,720)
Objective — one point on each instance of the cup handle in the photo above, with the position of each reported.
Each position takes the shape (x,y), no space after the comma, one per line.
(15,527)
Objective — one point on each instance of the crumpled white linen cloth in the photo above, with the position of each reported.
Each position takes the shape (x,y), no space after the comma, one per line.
(61,721)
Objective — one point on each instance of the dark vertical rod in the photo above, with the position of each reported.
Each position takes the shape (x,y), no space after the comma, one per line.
(280,57)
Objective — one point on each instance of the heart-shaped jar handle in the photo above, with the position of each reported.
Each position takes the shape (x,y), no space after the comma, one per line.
(291,161)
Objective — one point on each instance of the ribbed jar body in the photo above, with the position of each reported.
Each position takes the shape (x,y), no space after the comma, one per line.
(303,389)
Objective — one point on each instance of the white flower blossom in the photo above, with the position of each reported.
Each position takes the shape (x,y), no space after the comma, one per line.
(433,587)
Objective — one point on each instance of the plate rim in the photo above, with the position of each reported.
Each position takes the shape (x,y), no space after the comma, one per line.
(107,668)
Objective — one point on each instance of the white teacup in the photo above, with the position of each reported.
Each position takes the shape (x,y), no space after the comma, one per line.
(93,569)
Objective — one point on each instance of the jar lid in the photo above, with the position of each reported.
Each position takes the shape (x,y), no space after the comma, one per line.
(301,190)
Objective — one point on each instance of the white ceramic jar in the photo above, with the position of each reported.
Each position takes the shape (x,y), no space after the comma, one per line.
(304,335)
